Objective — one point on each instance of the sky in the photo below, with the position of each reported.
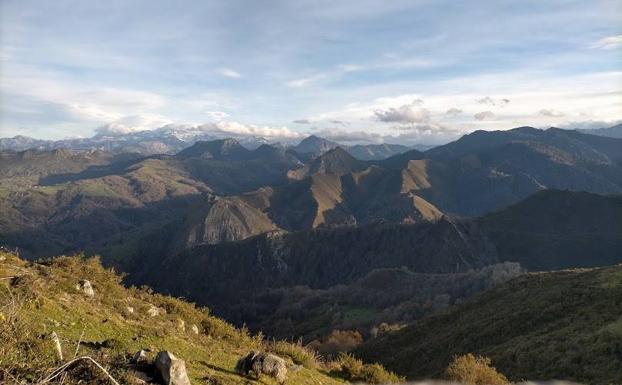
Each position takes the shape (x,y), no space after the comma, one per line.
(413,71)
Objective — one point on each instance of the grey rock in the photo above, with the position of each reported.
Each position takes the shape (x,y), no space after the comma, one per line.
(140,357)
(171,369)
(86,287)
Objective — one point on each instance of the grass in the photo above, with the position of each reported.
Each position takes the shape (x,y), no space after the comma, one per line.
(37,299)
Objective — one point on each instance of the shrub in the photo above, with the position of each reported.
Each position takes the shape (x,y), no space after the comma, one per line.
(353,369)
(338,341)
(471,370)
(300,354)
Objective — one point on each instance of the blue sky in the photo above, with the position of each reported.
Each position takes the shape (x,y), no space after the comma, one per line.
(370,71)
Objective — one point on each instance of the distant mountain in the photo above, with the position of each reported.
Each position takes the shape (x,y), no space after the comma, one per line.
(62,200)
(486,171)
(376,151)
(562,325)
(611,132)
(336,161)
(335,189)
(558,229)
(164,140)
(223,149)
(173,139)
(314,145)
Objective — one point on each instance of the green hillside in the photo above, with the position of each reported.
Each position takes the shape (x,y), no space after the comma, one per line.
(559,325)
(37,299)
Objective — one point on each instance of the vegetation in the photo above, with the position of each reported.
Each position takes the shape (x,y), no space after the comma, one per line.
(353,369)
(38,299)
(560,325)
(471,370)
(299,353)
(555,229)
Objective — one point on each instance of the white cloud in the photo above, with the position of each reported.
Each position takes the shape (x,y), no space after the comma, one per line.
(129,124)
(407,113)
(609,42)
(350,67)
(241,129)
(484,115)
(590,124)
(305,81)
(217,115)
(551,113)
(229,73)
(493,102)
(301,121)
(453,111)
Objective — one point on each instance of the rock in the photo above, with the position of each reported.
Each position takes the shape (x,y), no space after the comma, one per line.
(154,311)
(181,325)
(195,329)
(130,309)
(140,357)
(85,287)
(171,369)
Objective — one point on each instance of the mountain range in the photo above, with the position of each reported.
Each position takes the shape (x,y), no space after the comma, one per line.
(306,240)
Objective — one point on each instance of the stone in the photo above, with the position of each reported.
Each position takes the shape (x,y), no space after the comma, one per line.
(154,311)
(195,329)
(140,357)
(171,369)
(85,287)
(181,325)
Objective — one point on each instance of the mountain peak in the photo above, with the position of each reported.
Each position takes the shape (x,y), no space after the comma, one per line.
(335,161)
(315,145)
(221,149)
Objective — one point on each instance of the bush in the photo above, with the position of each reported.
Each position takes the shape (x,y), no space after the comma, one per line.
(471,370)
(300,354)
(353,369)
(338,341)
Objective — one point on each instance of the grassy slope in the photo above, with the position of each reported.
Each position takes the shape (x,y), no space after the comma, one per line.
(52,303)
(564,325)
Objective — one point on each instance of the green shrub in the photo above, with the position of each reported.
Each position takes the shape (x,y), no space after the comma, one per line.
(353,369)
(471,370)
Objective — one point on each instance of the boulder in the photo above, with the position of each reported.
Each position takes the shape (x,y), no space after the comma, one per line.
(140,357)
(171,369)
(85,287)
